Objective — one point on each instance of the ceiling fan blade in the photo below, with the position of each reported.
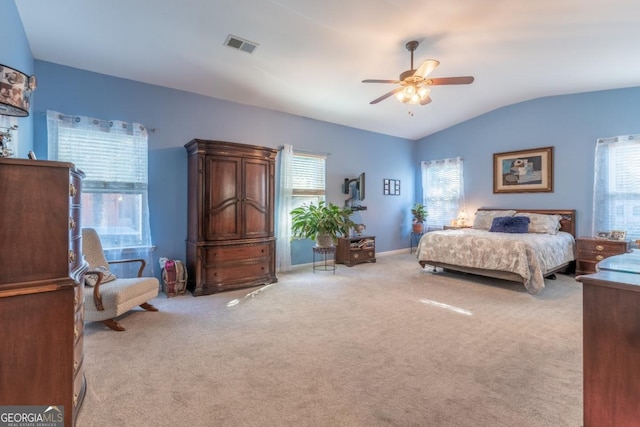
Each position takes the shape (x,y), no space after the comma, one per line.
(426,67)
(425,101)
(463,80)
(386,95)
(379,81)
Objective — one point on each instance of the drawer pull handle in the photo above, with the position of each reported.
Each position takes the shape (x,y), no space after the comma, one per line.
(72,190)
(75,399)
(599,257)
(72,223)
(72,256)
(599,248)
(76,332)
(75,366)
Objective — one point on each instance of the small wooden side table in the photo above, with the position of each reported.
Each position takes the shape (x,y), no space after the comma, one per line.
(326,258)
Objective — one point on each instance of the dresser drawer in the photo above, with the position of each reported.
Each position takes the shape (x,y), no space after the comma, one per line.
(78,298)
(230,275)
(79,389)
(219,254)
(78,356)
(590,251)
(75,186)
(599,252)
(362,255)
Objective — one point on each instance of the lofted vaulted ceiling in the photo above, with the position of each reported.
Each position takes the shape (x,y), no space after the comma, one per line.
(313,54)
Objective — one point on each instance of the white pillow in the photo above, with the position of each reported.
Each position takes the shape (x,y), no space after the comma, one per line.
(484,219)
(92,278)
(543,223)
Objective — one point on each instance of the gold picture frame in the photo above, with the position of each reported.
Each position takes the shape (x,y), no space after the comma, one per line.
(524,171)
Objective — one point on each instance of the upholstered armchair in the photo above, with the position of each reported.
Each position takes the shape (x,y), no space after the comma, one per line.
(107,296)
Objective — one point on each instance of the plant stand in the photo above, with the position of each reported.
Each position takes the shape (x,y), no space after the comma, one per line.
(326,258)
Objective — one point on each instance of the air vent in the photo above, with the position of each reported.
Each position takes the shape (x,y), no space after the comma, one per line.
(240,44)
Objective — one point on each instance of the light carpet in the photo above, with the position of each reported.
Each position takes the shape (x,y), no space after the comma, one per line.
(384,344)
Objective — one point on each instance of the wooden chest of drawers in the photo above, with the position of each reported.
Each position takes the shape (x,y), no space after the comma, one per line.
(41,295)
(356,250)
(590,251)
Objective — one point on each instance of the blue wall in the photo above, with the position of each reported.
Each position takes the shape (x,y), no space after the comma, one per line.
(178,117)
(16,53)
(569,123)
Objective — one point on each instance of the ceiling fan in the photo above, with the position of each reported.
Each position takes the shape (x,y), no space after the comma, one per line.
(415,86)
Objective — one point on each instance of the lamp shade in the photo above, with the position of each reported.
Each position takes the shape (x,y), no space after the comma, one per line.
(15,92)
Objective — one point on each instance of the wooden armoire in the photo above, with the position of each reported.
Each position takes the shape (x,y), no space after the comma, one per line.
(41,286)
(230,231)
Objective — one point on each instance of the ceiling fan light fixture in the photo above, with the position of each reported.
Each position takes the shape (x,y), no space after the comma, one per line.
(423,92)
(415,99)
(414,85)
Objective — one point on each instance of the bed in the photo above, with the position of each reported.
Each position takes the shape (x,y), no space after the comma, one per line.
(546,246)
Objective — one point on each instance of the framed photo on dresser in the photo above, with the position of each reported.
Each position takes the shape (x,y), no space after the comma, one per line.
(618,235)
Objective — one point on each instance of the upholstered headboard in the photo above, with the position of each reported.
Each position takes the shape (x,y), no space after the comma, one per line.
(567,223)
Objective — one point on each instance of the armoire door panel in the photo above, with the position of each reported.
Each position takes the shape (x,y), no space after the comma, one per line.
(222,204)
(256,199)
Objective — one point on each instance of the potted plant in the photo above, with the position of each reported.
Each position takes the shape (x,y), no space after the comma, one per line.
(322,222)
(419,214)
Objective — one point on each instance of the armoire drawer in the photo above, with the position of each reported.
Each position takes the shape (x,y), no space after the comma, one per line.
(236,273)
(219,254)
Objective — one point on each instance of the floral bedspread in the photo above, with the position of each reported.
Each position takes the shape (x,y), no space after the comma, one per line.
(530,255)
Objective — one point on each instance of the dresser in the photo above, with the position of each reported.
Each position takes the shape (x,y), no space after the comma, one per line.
(611,342)
(356,250)
(41,298)
(590,251)
(230,211)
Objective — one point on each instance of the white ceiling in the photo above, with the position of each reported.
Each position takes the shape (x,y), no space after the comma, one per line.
(313,54)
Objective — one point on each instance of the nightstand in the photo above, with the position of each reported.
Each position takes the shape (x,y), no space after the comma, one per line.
(590,251)
(355,250)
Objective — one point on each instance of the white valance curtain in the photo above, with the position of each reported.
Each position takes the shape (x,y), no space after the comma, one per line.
(442,190)
(616,189)
(284,203)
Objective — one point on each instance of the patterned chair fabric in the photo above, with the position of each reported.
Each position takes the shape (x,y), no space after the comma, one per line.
(109,299)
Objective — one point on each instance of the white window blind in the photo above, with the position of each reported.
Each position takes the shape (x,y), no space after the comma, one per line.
(616,199)
(442,190)
(114,158)
(122,160)
(308,174)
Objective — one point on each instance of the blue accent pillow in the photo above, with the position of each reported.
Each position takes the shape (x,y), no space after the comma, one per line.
(510,224)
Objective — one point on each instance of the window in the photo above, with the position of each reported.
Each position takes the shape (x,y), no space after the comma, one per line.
(308,179)
(442,190)
(616,199)
(113,155)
